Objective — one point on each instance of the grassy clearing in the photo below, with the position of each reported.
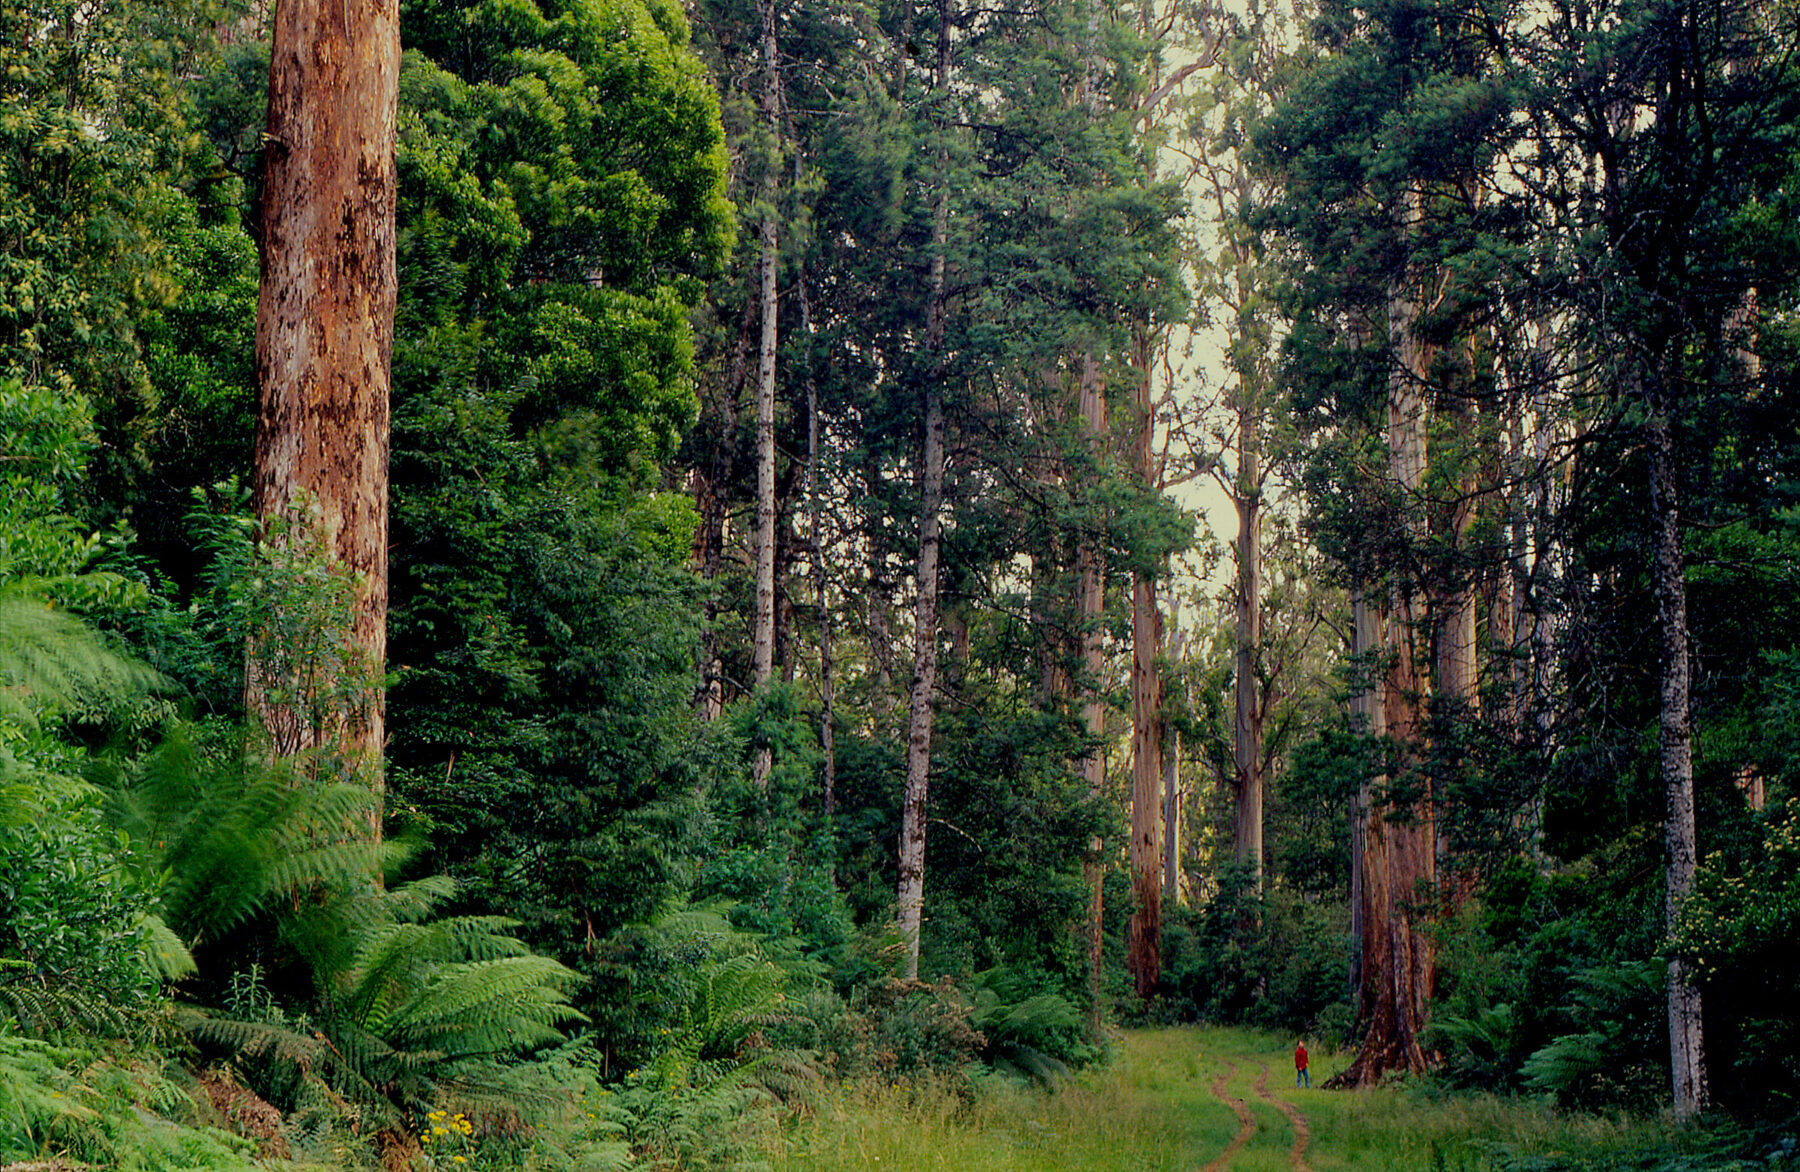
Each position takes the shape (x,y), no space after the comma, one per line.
(1152,1110)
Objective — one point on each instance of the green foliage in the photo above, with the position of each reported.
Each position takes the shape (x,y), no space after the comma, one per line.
(899,1030)
(87,126)
(1614,1059)
(1037,1036)
(392,1003)
(1274,961)
(120,1111)
(78,938)
(1737,931)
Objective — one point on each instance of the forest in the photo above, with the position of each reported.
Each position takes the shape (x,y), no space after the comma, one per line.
(579,578)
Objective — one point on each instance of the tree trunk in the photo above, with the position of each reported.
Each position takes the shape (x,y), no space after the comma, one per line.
(1454,610)
(1248,738)
(925,636)
(1171,782)
(1399,855)
(1090,602)
(763,636)
(1687,1057)
(827,683)
(1144,933)
(1171,813)
(324,337)
(925,613)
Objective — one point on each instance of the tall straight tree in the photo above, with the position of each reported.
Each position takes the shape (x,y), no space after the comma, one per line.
(1090,605)
(921,710)
(324,331)
(768,236)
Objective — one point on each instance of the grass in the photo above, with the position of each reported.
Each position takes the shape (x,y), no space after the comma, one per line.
(1152,1110)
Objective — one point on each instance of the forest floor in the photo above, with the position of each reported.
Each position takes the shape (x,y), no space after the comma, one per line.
(1190,1100)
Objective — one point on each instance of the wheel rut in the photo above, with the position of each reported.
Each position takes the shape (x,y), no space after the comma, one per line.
(1302,1130)
(1246,1121)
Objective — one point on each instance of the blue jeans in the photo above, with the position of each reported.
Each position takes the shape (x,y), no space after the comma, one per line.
(1302,1079)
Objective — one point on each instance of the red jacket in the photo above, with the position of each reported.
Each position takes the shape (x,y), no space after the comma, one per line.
(1300,1056)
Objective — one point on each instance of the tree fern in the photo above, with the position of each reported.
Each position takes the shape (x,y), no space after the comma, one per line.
(52,664)
(1605,1063)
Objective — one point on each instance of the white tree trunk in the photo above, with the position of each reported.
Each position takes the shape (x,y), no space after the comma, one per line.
(1248,731)
(1687,1052)
(911,894)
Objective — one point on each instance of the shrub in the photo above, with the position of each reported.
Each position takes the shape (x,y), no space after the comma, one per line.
(899,1029)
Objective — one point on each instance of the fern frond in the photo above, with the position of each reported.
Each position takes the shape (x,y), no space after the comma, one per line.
(164,952)
(51,663)
(477,1003)
(34,1088)
(1566,1063)
(413,902)
(256,1039)
(42,1010)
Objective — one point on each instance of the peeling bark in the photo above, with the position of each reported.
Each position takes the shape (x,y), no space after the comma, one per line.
(324,336)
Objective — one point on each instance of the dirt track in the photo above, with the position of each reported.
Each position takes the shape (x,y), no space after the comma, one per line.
(1247,1121)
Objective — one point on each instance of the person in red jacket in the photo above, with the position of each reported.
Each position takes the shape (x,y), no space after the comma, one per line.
(1301,1078)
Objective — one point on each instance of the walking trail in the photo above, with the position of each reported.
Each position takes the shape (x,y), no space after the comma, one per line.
(1247,1121)
(1302,1132)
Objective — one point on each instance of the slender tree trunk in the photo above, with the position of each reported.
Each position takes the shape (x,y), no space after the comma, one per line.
(827,682)
(925,614)
(1144,933)
(1248,738)
(1171,782)
(1687,1055)
(763,637)
(1171,813)
(324,337)
(925,635)
(1090,602)
(1454,646)
(764,645)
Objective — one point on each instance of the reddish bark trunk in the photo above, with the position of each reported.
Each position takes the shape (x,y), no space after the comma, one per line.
(324,336)
(1399,963)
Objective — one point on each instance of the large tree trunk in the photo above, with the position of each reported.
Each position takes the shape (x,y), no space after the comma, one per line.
(1687,1057)
(925,613)
(324,337)
(1399,961)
